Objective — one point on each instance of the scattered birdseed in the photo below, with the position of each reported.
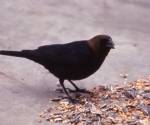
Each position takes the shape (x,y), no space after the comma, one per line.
(118,105)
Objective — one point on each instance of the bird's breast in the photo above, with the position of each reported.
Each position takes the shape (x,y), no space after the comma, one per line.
(76,72)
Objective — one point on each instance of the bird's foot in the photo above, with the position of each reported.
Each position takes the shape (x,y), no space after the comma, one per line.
(74,101)
(59,90)
(78,90)
(83,90)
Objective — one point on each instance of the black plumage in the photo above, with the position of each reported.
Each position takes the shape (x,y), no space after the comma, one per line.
(71,61)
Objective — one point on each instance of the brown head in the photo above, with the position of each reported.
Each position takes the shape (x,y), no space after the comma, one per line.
(101,43)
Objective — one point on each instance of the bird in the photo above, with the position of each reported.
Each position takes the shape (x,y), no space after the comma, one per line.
(70,61)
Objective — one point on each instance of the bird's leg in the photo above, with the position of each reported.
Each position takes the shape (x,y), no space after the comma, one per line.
(77,89)
(69,97)
(61,81)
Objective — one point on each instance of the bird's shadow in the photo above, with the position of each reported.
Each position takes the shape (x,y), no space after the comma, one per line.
(38,93)
(33,91)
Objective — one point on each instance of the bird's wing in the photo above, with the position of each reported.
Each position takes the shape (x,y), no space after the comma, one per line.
(68,61)
(66,55)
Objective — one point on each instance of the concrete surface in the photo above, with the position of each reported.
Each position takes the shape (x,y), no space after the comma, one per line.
(25,87)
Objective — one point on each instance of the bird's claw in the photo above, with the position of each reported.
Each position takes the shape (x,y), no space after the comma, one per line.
(74,101)
(83,90)
(78,90)
(71,90)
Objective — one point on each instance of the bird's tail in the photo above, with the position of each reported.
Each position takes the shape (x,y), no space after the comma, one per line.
(23,53)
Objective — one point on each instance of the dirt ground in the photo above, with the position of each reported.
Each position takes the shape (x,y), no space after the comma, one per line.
(26,87)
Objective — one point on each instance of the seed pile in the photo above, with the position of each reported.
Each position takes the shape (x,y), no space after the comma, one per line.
(118,105)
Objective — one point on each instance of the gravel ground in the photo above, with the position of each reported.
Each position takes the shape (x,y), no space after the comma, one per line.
(31,23)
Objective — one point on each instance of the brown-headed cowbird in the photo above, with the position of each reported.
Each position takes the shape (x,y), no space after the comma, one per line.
(71,61)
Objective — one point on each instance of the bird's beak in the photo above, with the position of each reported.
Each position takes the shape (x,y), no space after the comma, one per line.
(111,45)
